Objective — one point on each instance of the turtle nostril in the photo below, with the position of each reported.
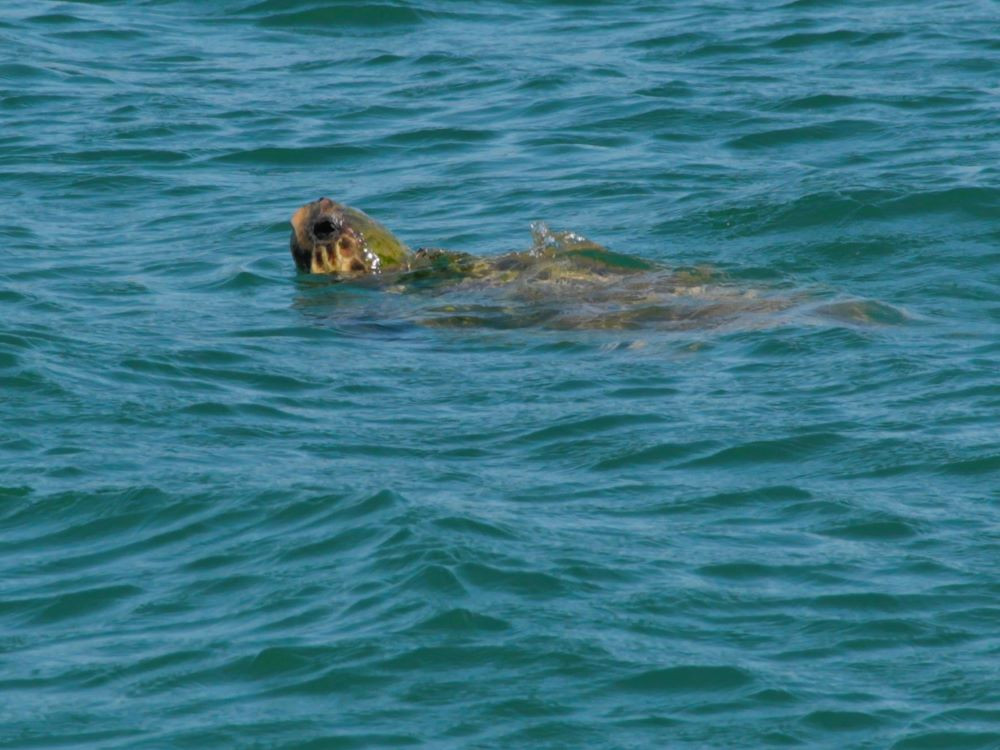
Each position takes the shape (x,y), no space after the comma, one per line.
(323,229)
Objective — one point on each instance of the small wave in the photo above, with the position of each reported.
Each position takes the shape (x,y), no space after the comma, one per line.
(669,41)
(584,427)
(842,721)
(952,740)
(863,312)
(988,464)
(750,571)
(876,530)
(76,604)
(321,19)
(122,155)
(472,526)
(457,621)
(241,280)
(328,155)
(861,601)
(524,582)
(53,19)
(102,35)
(669,453)
(22,71)
(350,539)
(687,679)
(821,102)
(794,448)
(440,136)
(840,36)
(834,130)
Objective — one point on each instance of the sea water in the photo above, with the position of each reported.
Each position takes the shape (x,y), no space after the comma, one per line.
(246,508)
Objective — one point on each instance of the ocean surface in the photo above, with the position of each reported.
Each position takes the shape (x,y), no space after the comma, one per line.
(242,507)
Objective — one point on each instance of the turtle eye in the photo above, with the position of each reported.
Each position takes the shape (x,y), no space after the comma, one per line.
(323,229)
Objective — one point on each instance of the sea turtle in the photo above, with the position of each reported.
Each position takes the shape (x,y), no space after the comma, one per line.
(562,281)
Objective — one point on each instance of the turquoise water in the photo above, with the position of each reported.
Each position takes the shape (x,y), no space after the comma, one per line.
(245,508)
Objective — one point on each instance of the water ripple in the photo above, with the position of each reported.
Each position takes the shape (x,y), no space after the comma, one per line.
(269,510)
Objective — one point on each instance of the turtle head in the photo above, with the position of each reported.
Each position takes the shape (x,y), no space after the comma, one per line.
(328,237)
